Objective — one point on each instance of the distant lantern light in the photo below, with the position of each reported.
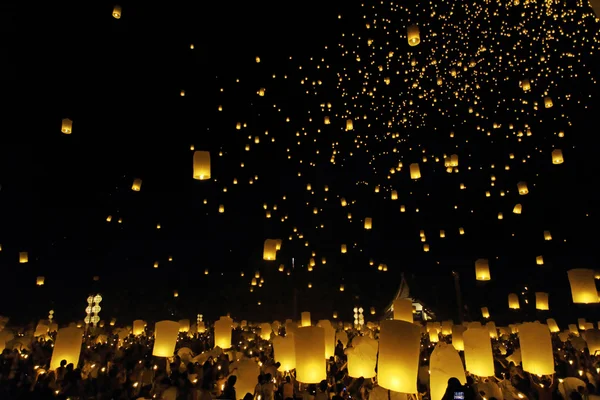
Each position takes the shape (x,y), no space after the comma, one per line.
(67,126)
(116,12)
(413,35)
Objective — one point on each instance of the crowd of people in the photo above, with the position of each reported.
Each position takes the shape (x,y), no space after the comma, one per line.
(123,368)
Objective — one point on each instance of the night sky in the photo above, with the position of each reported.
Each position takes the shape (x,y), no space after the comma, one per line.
(120,81)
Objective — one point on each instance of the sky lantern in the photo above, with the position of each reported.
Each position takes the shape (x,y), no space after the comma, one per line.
(478,351)
(522,187)
(368,223)
(138,327)
(557,157)
(67,346)
(541,301)
(415,171)
(457,337)
(536,348)
(485,313)
(222,331)
(482,269)
(444,363)
(23,257)
(305,318)
(413,35)
(116,12)
(349,125)
(552,325)
(548,102)
(39,281)
(270,250)
(137,185)
(310,354)
(201,165)
(67,126)
(362,357)
(285,351)
(329,337)
(398,362)
(403,310)
(583,286)
(513,301)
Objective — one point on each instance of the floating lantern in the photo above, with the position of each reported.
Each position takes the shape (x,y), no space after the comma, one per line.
(536,348)
(525,85)
(444,363)
(265,331)
(305,318)
(344,249)
(548,102)
(552,325)
(482,269)
(539,260)
(457,337)
(116,12)
(398,362)
(518,209)
(415,171)
(349,125)
(362,357)
(201,165)
(184,325)
(403,310)
(413,35)
(557,156)
(329,337)
(368,223)
(478,351)
(583,286)
(541,301)
(522,187)
(310,354)
(485,313)
(165,338)
(66,347)
(513,301)
(270,250)
(23,257)
(394,195)
(285,351)
(137,185)
(39,281)
(138,327)
(67,126)
(223,333)
(547,235)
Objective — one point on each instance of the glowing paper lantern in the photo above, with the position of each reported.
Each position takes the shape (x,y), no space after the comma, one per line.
(541,301)
(344,249)
(362,357)
(522,187)
(457,337)
(368,223)
(552,325)
(184,325)
(444,363)
(583,286)
(201,165)
(536,348)
(557,156)
(23,257)
(305,318)
(67,126)
(223,332)
(116,12)
(246,370)
(518,209)
(403,310)
(592,338)
(413,35)
(137,185)
(513,301)
(265,331)
(66,347)
(349,125)
(482,269)
(285,352)
(39,281)
(485,313)
(329,337)
(310,354)
(478,351)
(548,102)
(398,362)
(165,338)
(138,327)
(270,250)
(415,171)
